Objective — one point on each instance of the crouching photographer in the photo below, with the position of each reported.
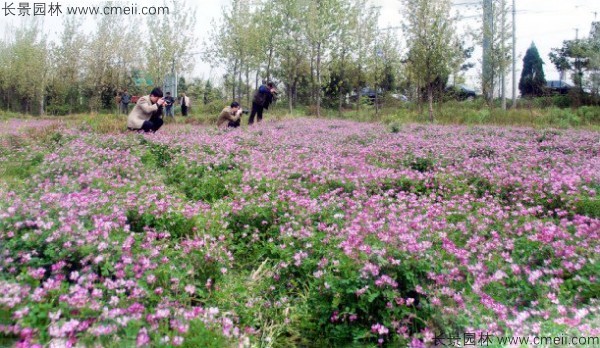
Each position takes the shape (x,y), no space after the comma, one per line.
(231,116)
(147,113)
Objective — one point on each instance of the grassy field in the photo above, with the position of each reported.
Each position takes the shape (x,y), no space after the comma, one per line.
(300,232)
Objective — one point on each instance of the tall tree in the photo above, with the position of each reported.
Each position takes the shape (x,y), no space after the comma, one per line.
(170,40)
(290,48)
(431,41)
(363,34)
(573,55)
(594,55)
(239,45)
(109,56)
(532,81)
(495,36)
(321,26)
(67,64)
(24,68)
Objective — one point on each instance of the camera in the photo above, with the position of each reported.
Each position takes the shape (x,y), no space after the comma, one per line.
(245,112)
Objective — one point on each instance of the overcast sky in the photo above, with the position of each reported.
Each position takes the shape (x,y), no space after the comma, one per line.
(545,22)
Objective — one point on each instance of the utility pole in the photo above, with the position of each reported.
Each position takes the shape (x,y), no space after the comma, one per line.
(487,73)
(514,57)
(503,72)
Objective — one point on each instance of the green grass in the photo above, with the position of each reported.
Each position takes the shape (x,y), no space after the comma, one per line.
(452,112)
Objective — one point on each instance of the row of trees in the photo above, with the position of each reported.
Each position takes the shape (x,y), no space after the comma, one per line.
(579,58)
(84,71)
(308,46)
(331,48)
(318,51)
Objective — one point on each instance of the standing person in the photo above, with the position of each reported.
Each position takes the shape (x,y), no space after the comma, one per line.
(147,112)
(184,101)
(118,101)
(169,101)
(230,116)
(125,100)
(263,97)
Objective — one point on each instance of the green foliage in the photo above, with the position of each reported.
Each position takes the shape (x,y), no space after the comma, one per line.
(18,167)
(201,336)
(340,317)
(174,223)
(480,186)
(581,287)
(255,232)
(205,182)
(157,155)
(589,115)
(332,185)
(418,187)
(395,127)
(432,43)
(532,82)
(588,207)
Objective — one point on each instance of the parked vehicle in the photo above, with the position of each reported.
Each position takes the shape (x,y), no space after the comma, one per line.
(461,92)
(557,86)
(367,93)
(400,97)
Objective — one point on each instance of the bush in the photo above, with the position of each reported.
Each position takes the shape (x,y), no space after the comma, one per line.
(207,183)
(346,307)
(588,207)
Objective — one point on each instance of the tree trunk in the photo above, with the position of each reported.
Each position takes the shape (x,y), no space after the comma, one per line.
(318,87)
(248,82)
(341,85)
(256,78)
(269,63)
(42,102)
(430,99)
(233,76)
(289,91)
(239,84)
(312,79)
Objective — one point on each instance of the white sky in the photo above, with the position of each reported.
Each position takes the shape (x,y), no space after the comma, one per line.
(545,22)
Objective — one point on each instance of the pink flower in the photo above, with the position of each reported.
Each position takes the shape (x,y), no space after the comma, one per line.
(379,329)
(37,273)
(190,289)
(142,338)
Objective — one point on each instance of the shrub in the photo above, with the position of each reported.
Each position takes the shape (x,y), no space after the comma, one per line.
(208,183)
(157,155)
(346,307)
(588,207)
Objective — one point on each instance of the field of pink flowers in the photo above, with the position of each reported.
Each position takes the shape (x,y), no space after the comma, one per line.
(296,233)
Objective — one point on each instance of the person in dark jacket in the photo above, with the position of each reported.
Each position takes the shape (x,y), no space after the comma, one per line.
(264,96)
(125,100)
(169,101)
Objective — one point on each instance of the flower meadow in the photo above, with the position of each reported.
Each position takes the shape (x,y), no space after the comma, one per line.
(302,232)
